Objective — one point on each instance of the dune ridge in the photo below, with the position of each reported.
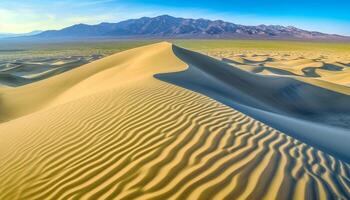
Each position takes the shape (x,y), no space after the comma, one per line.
(277,101)
(110,130)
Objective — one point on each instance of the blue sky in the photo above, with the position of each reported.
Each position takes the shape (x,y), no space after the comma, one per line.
(320,15)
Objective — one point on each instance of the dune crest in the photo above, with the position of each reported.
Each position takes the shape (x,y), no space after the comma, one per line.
(112,130)
(128,66)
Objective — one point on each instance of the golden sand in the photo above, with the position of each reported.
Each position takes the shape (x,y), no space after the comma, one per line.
(110,130)
(330,71)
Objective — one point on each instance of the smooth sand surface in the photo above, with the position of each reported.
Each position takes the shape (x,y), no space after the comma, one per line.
(117,129)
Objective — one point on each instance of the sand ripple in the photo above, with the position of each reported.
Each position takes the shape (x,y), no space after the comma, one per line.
(152,140)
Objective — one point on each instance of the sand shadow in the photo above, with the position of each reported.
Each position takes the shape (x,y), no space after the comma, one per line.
(299,109)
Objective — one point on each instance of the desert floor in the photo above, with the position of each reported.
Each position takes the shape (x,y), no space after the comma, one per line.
(163,122)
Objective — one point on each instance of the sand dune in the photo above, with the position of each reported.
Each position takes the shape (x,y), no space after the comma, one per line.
(280,96)
(318,68)
(20,72)
(116,129)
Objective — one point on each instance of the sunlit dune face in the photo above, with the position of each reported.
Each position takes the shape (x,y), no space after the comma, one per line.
(154,123)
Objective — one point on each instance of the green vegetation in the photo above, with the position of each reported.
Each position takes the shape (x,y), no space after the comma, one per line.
(206,45)
(26,50)
(17,50)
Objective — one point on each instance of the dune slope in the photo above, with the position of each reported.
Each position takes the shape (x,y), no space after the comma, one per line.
(110,130)
(282,97)
(18,72)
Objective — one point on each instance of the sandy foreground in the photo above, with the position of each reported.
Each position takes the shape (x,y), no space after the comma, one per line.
(162,122)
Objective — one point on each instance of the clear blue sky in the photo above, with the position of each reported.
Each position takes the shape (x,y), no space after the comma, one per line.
(330,16)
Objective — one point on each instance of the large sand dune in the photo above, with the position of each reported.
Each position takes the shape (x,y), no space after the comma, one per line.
(147,124)
(285,99)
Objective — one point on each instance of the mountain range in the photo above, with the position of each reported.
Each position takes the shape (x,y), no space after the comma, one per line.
(166,26)
(10,35)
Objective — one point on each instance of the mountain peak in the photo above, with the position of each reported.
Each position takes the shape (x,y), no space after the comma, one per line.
(165,16)
(166,26)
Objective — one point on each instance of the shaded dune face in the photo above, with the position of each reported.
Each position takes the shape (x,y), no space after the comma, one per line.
(277,101)
(275,94)
(110,130)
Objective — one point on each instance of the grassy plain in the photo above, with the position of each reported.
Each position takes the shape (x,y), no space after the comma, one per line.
(27,49)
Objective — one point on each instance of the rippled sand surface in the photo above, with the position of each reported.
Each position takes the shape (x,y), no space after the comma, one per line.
(146,124)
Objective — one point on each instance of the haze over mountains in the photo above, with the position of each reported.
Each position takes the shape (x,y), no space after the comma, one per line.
(166,26)
(10,35)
